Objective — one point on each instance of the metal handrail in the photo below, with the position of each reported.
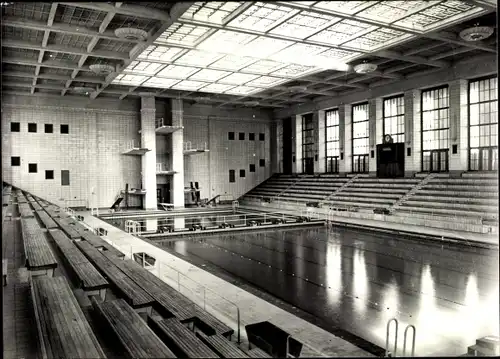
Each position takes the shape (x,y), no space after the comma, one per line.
(413,340)
(387,352)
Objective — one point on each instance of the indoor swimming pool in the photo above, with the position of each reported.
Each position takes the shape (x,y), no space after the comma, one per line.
(357,280)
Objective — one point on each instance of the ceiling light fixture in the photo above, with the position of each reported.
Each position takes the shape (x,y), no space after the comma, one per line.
(476,33)
(252,103)
(101,69)
(131,33)
(5,3)
(298,88)
(365,68)
(82,89)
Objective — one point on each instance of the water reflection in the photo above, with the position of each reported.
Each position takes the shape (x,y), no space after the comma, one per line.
(334,274)
(360,282)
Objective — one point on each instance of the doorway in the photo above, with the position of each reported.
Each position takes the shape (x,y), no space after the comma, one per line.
(308,164)
(484,159)
(439,160)
(163,193)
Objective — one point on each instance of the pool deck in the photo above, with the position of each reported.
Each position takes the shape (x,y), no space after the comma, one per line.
(317,342)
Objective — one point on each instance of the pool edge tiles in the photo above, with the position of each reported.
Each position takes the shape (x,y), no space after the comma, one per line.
(253,309)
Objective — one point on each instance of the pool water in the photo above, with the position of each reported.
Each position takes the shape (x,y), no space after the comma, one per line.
(357,280)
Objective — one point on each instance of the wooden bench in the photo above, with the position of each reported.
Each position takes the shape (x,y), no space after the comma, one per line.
(101,244)
(130,290)
(220,345)
(63,330)
(39,257)
(46,220)
(67,228)
(132,332)
(182,341)
(88,278)
(25,210)
(210,325)
(257,353)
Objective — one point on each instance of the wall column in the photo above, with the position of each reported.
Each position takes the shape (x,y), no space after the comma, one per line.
(413,163)
(375,127)
(298,144)
(177,190)
(274,148)
(345,133)
(458,126)
(320,140)
(148,140)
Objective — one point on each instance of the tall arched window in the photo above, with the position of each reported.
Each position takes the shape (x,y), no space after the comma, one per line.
(332,141)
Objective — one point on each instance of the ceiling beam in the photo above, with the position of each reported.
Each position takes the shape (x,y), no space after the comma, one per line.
(129,10)
(58,64)
(52,77)
(90,47)
(177,10)
(415,59)
(63,28)
(482,3)
(50,21)
(64,49)
(451,53)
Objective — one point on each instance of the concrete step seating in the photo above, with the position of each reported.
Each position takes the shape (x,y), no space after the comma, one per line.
(477,174)
(458,187)
(476,194)
(375,202)
(445,211)
(380,194)
(403,212)
(485,201)
(459,206)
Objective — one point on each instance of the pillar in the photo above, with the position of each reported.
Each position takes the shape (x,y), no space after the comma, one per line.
(274,147)
(458,126)
(177,189)
(375,127)
(413,141)
(345,134)
(148,140)
(321,142)
(298,144)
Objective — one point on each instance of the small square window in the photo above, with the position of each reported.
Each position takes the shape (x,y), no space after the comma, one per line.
(242,173)
(341,155)
(64,178)
(49,128)
(15,161)
(251,136)
(31,127)
(316,157)
(262,163)
(65,129)
(408,151)
(372,154)
(293,159)
(230,136)
(231,176)
(32,168)
(252,167)
(454,149)
(49,174)
(15,127)
(242,136)
(262,137)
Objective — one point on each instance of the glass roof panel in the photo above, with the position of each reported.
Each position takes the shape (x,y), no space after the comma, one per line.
(341,32)
(183,34)
(375,39)
(225,41)
(160,82)
(197,58)
(216,88)
(238,79)
(208,75)
(338,54)
(298,51)
(266,81)
(189,85)
(177,72)
(292,71)
(262,16)
(214,12)
(232,63)
(303,24)
(262,47)
(390,11)
(143,67)
(264,66)
(162,53)
(242,90)
(344,7)
(126,79)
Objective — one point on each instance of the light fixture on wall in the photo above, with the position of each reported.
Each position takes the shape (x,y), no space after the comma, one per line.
(476,33)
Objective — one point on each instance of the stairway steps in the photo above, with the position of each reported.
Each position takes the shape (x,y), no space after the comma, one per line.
(490,342)
(477,350)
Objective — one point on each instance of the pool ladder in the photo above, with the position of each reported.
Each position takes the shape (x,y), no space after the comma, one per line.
(388,353)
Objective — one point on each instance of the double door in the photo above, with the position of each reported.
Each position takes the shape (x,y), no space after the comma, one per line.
(308,165)
(439,160)
(360,164)
(484,159)
(332,164)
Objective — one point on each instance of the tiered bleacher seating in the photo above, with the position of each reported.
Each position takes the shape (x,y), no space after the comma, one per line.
(46,220)
(272,187)
(314,189)
(471,196)
(371,193)
(63,330)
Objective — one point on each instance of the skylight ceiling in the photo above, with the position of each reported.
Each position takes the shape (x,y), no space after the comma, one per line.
(242,48)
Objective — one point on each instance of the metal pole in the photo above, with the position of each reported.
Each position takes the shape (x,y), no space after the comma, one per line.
(239,334)
(387,337)
(179,280)
(287,348)
(204,298)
